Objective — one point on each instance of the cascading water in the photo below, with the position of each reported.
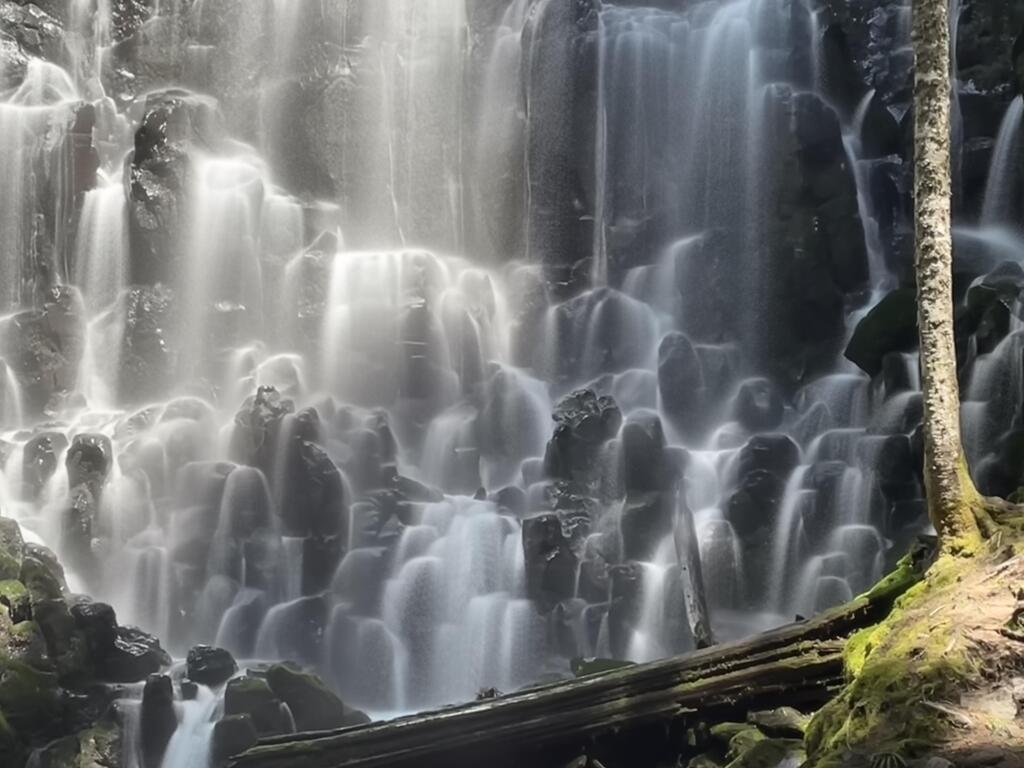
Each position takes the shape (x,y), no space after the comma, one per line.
(284,287)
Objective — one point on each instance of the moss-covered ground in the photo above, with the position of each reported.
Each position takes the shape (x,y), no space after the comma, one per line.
(942,675)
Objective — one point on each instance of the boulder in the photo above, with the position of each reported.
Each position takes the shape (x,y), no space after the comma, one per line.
(23,642)
(646,519)
(42,574)
(758,405)
(783,722)
(647,465)
(147,350)
(680,381)
(232,735)
(209,666)
(754,503)
(77,529)
(39,460)
(551,560)
(134,656)
(890,326)
(65,644)
(157,721)
(584,422)
(252,696)
(776,453)
(16,599)
(511,500)
(12,549)
(98,624)
(65,752)
(313,706)
(88,461)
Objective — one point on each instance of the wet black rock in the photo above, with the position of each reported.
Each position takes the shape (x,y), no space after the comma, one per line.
(147,351)
(647,465)
(12,549)
(232,735)
(584,422)
(252,696)
(98,624)
(776,453)
(646,519)
(39,459)
(134,656)
(754,503)
(511,500)
(157,175)
(681,381)
(88,460)
(758,405)
(77,525)
(42,574)
(313,706)
(209,666)
(157,721)
(551,561)
(257,425)
(626,588)
(890,326)
(320,558)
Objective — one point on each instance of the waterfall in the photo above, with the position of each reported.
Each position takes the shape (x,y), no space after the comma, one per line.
(322,271)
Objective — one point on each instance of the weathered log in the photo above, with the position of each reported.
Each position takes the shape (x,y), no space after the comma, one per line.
(798,664)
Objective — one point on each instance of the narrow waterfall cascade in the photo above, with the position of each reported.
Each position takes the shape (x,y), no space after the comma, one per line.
(431,345)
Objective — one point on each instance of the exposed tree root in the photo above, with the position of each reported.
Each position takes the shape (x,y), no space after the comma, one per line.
(942,675)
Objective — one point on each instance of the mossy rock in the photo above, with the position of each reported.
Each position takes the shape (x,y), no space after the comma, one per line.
(12,549)
(783,722)
(29,698)
(25,643)
(10,746)
(232,735)
(15,597)
(65,752)
(723,732)
(313,705)
(252,696)
(100,746)
(744,741)
(41,579)
(64,642)
(770,753)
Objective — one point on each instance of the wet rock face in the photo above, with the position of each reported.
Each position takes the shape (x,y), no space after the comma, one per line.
(148,350)
(158,720)
(158,176)
(584,423)
(312,705)
(681,382)
(890,326)
(252,696)
(31,30)
(43,347)
(551,560)
(210,666)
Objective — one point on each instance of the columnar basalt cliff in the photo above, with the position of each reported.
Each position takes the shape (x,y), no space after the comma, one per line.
(431,345)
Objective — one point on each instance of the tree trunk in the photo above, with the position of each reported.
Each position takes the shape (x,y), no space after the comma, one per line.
(949,489)
(690,577)
(799,665)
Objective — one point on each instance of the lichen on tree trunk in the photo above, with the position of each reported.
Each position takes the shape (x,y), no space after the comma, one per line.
(952,498)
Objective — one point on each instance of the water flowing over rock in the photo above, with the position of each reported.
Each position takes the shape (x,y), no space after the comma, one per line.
(432,345)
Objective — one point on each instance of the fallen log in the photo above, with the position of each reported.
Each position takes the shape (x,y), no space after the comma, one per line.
(798,665)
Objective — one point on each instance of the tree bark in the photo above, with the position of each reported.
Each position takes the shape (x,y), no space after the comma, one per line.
(949,489)
(799,665)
